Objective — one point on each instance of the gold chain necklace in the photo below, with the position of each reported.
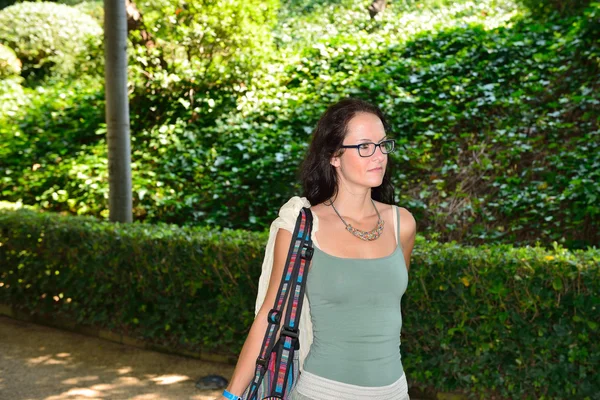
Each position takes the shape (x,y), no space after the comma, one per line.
(364,235)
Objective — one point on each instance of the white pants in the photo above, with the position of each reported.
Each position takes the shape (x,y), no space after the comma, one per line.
(314,387)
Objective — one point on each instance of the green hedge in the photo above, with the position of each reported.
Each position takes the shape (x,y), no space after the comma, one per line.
(160,282)
(518,322)
(522,322)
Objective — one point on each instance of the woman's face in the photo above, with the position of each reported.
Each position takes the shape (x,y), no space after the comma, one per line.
(354,170)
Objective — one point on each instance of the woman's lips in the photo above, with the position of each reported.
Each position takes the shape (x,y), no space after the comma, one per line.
(375,169)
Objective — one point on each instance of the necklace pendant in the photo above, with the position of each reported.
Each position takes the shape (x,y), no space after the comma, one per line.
(364,235)
(367,235)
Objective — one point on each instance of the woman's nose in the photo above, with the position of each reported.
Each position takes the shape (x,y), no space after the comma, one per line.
(378,153)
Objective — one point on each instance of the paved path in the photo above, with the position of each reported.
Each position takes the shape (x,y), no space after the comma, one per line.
(41,363)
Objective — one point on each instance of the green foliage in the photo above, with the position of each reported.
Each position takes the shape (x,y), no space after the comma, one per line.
(160,282)
(474,130)
(41,136)
(94,8)
(543,8)
(10,65)
(190,60)
(496,118)
(73,3)
(495,114)
(306,23)
(48,38)
(516,322)
(219,38)
(13,99)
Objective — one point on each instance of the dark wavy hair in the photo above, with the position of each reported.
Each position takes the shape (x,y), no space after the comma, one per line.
(318,176)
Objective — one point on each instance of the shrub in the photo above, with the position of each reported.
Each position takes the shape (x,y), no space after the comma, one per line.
(13,102)
(42,134)
(93,8)
(545,8)
(47,37)
(10,65)
(187,60)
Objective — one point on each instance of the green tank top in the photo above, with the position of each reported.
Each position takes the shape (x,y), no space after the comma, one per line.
(355,312)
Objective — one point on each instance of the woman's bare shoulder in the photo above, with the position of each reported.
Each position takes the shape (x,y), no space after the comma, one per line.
(407,220)
(386,210)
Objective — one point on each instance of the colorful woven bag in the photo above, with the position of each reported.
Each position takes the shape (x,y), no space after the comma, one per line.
(277,366)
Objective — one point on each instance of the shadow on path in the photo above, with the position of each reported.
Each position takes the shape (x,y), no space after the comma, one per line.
(41,363)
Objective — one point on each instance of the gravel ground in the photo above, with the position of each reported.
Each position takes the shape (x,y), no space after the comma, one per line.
(41,363)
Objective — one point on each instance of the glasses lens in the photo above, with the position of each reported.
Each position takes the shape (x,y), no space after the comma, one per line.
(387,146)
(366,149)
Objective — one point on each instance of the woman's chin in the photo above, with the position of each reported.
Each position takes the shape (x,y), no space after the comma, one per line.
(373,183)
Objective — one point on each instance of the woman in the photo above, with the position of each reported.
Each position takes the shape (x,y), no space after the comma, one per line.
(350,323)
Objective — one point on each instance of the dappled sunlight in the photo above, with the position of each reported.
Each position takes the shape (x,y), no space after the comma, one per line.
(102,386)
(47,360)
(75,393)
(169,379)
(151,396)
(58,365)
(124,370)
(145,397)
(79,380)
(120,384)
(130,381)
(119,390)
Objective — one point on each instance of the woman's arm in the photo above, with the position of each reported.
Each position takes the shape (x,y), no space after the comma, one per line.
(244,369)
(408,232)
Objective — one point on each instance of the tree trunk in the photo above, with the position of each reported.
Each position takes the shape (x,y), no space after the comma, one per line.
(117,111)
(376,7)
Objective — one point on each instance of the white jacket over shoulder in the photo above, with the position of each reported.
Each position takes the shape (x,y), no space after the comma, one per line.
(288,214)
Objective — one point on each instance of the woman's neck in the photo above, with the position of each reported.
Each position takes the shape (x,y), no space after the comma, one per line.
(357,205)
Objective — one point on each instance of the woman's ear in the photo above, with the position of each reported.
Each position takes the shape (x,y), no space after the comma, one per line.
(335,161)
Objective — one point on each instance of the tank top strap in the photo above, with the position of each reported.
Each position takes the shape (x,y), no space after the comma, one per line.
(398,228)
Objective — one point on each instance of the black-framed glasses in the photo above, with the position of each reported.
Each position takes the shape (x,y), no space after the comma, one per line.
(367,149)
